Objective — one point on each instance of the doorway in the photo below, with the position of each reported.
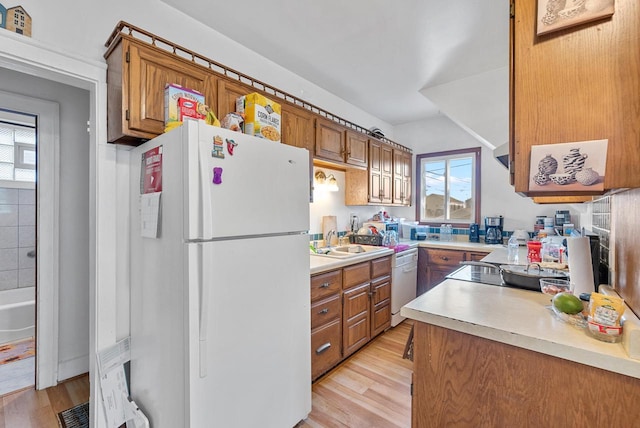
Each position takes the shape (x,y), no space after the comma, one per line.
(30,207)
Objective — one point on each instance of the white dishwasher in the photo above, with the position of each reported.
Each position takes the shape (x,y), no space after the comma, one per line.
(404,275)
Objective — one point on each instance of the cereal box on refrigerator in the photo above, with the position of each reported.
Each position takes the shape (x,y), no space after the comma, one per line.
(262,116)
(176,98)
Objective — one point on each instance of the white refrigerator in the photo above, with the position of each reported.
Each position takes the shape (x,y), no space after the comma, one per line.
(220,317)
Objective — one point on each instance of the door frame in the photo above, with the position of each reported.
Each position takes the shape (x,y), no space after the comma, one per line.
(25,55)
(47,232)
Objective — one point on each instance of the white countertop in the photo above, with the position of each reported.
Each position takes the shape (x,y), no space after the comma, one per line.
(319,264)
(515,317)
(463,245)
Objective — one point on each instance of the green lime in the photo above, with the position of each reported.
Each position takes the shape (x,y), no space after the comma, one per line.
(567,303)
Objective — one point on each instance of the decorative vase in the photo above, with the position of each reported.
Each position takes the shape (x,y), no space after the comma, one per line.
(587,177)
(541,179)
(548,165)
(573,162)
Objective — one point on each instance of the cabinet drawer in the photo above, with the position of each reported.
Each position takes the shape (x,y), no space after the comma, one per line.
(325,311)
(356,274)
(445,257)
(381,267)
(325,284)
(476,256)
(325,348)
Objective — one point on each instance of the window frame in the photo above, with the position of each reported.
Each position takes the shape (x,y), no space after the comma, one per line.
(476,153)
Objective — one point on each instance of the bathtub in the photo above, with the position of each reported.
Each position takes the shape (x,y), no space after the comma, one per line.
(17,314)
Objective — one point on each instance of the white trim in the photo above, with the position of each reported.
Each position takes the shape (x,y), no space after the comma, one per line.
(32,57)
(47,189)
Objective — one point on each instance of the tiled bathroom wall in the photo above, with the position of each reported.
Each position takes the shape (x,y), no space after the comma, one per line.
(17,238)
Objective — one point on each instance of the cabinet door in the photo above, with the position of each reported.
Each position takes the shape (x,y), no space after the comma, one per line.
(436,274)
(298,131)
(398,175)
(356,318)
(228,92)
(330,143)
(357,153)
(423,279)
(386,164)
(375,172)
(150,70)
(406,179)
(297,127)
(576,84)
(380,305)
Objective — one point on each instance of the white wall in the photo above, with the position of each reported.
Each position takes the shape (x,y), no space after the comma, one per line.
(332,203)
(73,340)
(498,197)
(84,27)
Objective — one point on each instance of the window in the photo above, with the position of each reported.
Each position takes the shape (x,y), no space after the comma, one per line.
(448,187)
(17,147)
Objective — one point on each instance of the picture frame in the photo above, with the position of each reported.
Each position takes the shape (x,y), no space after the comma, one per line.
(558,14)
(575,166)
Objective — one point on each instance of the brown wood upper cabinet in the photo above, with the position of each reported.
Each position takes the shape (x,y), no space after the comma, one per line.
(228,92)
(137,74)
(576,84)
(387,181)
(401,177)
(380,172)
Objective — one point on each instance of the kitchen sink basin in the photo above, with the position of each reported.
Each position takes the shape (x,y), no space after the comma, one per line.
(346,251)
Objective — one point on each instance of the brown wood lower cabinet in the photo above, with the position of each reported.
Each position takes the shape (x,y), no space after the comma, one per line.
(349,307)
(461,380)
(434,264)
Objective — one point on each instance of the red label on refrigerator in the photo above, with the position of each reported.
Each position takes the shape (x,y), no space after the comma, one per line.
(151,180)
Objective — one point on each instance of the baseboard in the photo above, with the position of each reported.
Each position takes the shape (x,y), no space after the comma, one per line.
(74,367)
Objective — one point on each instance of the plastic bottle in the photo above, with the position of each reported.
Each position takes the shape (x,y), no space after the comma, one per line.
(512,250)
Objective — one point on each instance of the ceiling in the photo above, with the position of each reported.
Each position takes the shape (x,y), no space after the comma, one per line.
(378,55)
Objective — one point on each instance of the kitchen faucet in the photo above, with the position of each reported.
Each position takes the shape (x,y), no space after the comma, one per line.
(330,234)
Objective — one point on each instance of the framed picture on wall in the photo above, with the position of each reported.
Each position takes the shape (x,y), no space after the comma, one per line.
(578,166)
(557,14)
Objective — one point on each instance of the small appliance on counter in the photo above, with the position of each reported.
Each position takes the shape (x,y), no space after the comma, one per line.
(474,232)
(493,229)
(419,233)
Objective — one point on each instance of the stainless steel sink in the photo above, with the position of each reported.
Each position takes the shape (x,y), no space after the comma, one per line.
(346,251)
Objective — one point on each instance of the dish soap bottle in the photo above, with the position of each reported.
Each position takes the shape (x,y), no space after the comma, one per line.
(512,250)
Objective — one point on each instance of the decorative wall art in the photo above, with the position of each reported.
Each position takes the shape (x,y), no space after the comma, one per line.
(557,14)
(578,166)
(15,19)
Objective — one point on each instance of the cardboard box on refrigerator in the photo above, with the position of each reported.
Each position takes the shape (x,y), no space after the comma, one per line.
(180,101)
(262,116)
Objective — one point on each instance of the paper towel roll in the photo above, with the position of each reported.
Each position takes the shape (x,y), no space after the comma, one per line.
(580,266)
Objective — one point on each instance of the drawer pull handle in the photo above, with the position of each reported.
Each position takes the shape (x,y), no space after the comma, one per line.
(324,311)
(323,348)
(445,258)
(325,285)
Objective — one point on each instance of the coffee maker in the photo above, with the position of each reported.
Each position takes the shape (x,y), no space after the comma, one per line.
(493,230)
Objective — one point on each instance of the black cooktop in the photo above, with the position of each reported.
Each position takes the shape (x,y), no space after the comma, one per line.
(481,274)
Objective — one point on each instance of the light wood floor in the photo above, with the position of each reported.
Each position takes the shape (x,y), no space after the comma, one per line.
(39,409)
(370,389)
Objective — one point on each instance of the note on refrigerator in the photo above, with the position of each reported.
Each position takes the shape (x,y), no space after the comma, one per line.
(150,215)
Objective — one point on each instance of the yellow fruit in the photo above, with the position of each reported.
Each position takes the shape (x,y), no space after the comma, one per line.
(567,303)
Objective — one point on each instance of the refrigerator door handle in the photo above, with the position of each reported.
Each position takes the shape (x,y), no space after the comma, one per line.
(205,193)
(204,305)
